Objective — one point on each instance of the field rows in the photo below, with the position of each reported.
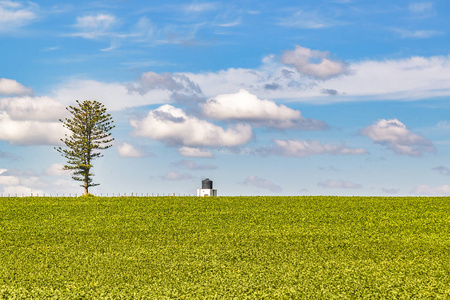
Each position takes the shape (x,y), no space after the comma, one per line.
(225,247)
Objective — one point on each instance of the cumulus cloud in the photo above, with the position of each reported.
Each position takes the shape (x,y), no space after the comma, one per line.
(411,78)
(301,148)
(176,176)
(191,165)
(22,190)
(426,190)
(174,127)
(14,15)
(94,26)
(31,120)
(8,180)
(12,87)
(304,61)
(33,108)
(30,132)
(56,170)
(115,96)
(246,107)
(262,183)
(398,138)
(195,152)
(339,184)
(127,150)
(443,170)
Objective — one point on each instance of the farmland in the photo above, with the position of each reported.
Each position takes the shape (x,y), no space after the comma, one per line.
(225,247)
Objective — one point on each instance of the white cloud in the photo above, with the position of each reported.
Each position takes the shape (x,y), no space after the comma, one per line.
(421,6)
(308,20)
(417,34)
(191,165)
(115,96)
(200,7)
(33,108)
(262,183)
(243,106)
(394,134)
(14,15)
(176,176)
(127,150)
(30,132)
(172,126)
(12,87)
(339,184)
(22,190)
(303,59)
(299,148)
(194,152)
(422,9)
(8,180)
(95,26)
(56,170)
(408,79)
(426,190)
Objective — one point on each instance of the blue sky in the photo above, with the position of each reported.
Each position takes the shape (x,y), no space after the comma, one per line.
(331,97)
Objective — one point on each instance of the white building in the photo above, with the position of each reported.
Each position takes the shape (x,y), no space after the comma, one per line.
(207,189)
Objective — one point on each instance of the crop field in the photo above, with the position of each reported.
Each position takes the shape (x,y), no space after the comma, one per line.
(225,248)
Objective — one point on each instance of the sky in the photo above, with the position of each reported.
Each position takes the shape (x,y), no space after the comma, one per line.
(327,97)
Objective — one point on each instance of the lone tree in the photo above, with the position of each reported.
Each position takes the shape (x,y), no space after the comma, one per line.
(90,126)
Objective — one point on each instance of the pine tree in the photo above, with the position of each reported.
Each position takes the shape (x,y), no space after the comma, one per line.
(90,126)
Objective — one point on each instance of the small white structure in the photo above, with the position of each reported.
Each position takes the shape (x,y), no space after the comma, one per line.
(207,189)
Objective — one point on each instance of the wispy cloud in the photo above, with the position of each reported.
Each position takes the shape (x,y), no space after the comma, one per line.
(191,165)
(426,190)
(95,26)
(443,170)
(195,152)
(303,148)
(14,15)
(262,183)
(339,184)
(422,9)
(200,7)
(308,20)
(417,34)
(176,176)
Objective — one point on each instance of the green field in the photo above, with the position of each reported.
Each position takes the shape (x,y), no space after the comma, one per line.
(225,247)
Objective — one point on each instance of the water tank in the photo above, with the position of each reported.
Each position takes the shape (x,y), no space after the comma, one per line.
(207,184)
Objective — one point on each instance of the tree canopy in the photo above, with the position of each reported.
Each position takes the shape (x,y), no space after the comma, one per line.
(89,125)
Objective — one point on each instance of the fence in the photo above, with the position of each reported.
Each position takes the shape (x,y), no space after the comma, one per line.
(97,195)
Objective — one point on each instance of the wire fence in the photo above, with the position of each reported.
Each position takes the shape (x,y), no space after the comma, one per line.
(23,195)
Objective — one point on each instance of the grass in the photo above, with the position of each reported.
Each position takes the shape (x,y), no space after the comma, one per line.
(225,248)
